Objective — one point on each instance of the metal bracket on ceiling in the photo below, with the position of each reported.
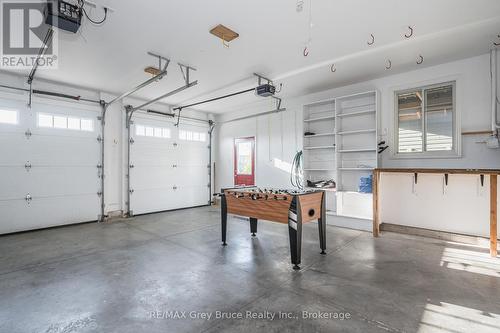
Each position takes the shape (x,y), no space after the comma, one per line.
(260,78)
(30,94)
(129,112)
(211,123)
(160,61)
(186,75)
(278,103)
(45,45)
(178,118)
(142,85)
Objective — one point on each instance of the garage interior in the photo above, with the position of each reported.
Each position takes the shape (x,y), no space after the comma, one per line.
(223,166)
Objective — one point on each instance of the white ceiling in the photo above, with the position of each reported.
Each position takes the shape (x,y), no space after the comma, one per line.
(112,57)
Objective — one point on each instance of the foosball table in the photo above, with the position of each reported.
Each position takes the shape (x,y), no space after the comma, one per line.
(292,207)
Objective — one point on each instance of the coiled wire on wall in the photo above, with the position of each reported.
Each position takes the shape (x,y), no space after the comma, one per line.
(297,172)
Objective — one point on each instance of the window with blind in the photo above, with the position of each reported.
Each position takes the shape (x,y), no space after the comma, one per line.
(426,121)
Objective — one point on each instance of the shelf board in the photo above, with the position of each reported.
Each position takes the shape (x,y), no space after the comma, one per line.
(319,169)
(356,169)
(356,150)
(371,130)
(331,213)
(319,147)
(357,106)
(320,134)
(322,102)
(327,189)
(357,113)
(355,192)
(318,119)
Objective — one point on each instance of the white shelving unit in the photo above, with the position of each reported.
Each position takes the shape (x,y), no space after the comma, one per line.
(319,148)
(356,155)
(343,148)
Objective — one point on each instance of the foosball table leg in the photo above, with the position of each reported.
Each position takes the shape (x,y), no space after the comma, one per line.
(223,217)
(253,226)
(322,225)
(295,233)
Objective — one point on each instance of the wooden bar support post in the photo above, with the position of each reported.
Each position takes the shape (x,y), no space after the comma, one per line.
(375,195)
(493,215)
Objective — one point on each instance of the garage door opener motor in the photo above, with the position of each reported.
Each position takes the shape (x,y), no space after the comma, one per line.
(63,15)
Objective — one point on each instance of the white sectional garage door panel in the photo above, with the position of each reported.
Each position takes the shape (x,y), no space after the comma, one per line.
(167,173)
(63,180)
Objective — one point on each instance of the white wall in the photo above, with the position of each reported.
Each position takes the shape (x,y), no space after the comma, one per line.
(473,103)
(273,151)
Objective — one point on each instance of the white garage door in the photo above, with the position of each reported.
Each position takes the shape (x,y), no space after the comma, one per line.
(49,161)
(170,165)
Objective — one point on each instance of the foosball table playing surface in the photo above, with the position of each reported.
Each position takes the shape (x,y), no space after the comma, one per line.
(292,207)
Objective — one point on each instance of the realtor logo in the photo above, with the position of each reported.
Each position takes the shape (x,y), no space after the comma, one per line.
(23,34)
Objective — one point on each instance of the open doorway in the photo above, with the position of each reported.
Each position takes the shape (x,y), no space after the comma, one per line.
(244,161)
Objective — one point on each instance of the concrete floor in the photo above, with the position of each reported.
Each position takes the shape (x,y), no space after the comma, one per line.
(116,277)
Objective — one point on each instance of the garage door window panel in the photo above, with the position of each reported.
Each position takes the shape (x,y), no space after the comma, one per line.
(60,122)
(192,136)
(74,123)
(65,122)
(87,125)
(10,117)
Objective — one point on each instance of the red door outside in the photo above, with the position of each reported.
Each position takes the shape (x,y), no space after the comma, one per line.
(244,161)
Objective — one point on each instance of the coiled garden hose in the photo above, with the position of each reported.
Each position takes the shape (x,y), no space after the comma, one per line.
(297,172)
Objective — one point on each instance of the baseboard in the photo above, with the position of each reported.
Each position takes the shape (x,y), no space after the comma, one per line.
(437,234)
(349,222)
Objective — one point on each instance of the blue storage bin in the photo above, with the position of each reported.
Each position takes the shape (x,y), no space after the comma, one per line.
(365,184)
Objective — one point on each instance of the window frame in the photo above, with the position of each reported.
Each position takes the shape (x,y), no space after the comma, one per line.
(456,152)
